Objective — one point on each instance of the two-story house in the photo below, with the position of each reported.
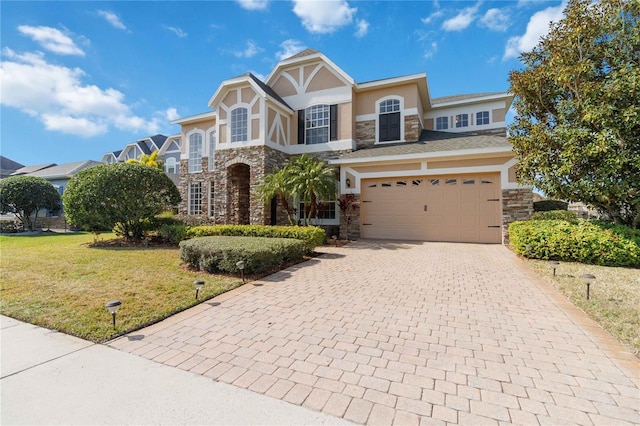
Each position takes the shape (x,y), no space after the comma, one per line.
(168,148)
(421,168)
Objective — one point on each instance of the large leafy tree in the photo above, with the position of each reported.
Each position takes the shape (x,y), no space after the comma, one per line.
(25,196)
(577,125)
(304,179)
(126,194)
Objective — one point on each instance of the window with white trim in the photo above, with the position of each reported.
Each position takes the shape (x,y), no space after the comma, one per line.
(211,198)
(442,123)
(389,120)
(195,198)
(462,120)
(195,153)
(212,149)
(324,210)
(482,117)
(239,123)
(317,124)
(170,166)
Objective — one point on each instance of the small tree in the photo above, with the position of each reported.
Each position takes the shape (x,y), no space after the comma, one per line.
(348,206)
(311,181)
(149,160)
(126,194)
(577,127)
(275,185)
(27,195)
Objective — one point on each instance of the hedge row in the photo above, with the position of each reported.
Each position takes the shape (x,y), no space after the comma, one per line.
(567,215)
(312,235)
(221,253)
(584,241)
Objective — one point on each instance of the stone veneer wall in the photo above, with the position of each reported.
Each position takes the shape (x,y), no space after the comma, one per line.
(365,134)
(186,179)
(412,128)
(354,228)
(517,204)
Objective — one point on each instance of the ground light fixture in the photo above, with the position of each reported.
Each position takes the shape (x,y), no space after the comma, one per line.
(198,285)
(335,240)
(554,264)
(588,280)
(240,265)
(113,306)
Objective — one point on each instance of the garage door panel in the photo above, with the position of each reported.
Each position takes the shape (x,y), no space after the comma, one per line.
(464,208)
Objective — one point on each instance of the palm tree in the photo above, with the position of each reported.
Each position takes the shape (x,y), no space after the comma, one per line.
(275,185)
(149,160)
(311,181)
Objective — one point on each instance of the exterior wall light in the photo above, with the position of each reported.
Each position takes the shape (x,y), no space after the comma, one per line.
(240,265)
(554,264)
(113,306)
(198,285)
(588,280)
(348,182)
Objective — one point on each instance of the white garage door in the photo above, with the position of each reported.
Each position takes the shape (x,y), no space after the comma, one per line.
(463,208)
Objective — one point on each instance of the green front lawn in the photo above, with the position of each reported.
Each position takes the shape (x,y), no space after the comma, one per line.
(614,300)
(57,281)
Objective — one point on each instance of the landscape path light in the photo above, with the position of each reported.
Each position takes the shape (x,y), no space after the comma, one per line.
(335,240)
(554,264)
(240,265)
(198,285)
(588,279)
(113,306)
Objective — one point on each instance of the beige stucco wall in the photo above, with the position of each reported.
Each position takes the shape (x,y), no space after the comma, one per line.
(324,79)
(231,98)
(512,174)
(247,94)
(498,114)
(345,121)
(203,125)
(283,87)
(366,101)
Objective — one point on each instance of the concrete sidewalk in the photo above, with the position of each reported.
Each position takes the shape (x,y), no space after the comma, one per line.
(52,378)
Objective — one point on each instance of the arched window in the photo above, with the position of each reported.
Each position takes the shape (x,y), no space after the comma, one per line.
(239,125)
(389,120)
(170,166)
(195,153)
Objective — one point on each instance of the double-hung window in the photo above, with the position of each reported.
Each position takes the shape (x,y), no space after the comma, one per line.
(442,123)
(212,149)
(482,117)
(462,120)
(195,153)
(195,198)
(239,123)
(318,124)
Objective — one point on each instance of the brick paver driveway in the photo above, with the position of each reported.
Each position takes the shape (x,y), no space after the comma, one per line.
(404,333)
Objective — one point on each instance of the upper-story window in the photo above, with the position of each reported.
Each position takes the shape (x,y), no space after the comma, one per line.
(482,117)
(239,125)
(318,124)
(195,153)
(462,120)
(442,123)
(170,166)
(212,149)
(389,120)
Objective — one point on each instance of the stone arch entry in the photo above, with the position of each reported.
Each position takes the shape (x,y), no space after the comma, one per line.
(239,184)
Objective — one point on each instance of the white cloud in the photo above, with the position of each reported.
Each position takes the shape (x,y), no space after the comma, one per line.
(52,40)
(113,19)
(363,27)
(289,48)
(435,15)
(323,16)
(431,50)
(177,31)
(253,4)
(462,20)
(171,114)
(250,51)
(57,96)
(537,27)
(495,19)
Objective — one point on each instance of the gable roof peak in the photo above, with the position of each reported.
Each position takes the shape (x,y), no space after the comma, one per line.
(306,52)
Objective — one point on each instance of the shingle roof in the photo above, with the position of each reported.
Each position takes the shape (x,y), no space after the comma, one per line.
(268,90)
(454,98)
(143,147)
(430,142)
(159,140)
(30,169)
(64,170)
(8,166)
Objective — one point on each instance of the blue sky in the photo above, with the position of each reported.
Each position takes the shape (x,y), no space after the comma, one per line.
(79,79)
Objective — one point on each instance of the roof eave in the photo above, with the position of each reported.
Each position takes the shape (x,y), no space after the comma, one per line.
(425,155)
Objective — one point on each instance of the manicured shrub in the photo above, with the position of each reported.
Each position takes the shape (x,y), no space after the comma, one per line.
(9,226)
(172,233)
(567,215)
(548,205)
(312,235)
(221,253)
(585,241)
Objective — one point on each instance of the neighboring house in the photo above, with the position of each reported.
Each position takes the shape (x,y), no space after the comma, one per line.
(168,152)
(7,167)
(421,168)
(26,170)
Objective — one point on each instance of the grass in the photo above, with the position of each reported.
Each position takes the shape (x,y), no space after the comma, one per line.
(614,300)
(58,282)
